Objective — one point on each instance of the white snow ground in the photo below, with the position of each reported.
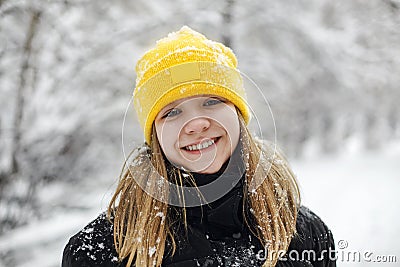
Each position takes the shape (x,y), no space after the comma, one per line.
(355,194)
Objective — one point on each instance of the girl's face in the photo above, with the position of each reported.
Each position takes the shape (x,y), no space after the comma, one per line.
(198,133)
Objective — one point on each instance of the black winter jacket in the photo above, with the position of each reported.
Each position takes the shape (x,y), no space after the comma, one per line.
(217,236)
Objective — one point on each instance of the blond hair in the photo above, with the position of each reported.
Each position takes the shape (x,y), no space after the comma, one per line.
(139,206)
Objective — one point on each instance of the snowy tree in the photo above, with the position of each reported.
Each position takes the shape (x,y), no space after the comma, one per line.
(329,70)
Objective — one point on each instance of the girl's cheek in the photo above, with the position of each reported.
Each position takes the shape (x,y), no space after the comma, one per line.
(169,133)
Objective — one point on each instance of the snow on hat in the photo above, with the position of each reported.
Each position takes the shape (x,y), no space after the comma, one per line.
(183,64)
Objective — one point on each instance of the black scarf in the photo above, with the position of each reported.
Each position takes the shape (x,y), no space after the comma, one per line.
(222,217)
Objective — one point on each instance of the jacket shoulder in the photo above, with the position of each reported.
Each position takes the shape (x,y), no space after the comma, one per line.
(313,240)
(311,228)
(92,246)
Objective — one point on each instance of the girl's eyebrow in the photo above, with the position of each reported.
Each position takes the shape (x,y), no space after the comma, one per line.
(165,110)
(167,107)
(170,106)
(217,97)
(177,102)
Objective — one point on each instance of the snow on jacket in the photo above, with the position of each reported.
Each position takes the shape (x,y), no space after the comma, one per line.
(217,236)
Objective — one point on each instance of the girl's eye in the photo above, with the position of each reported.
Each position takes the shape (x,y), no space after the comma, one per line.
(171,113)
(212,101)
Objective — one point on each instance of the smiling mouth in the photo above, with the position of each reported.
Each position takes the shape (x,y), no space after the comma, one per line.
(201,145)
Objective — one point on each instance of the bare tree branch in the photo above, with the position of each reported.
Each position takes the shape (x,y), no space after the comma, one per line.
(227,21)
(20,101)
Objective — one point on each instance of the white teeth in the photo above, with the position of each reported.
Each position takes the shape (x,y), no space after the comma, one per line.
(200,146)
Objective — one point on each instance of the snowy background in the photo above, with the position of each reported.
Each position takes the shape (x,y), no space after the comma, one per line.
(329,69)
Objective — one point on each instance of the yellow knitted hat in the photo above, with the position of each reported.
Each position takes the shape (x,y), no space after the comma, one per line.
(183,64)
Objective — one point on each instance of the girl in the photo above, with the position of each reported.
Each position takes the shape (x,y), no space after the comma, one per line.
(201,191)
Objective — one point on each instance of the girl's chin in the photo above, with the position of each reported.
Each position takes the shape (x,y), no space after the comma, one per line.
(206,168)
(208,171)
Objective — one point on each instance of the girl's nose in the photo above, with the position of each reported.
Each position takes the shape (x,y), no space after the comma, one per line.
(197,125)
